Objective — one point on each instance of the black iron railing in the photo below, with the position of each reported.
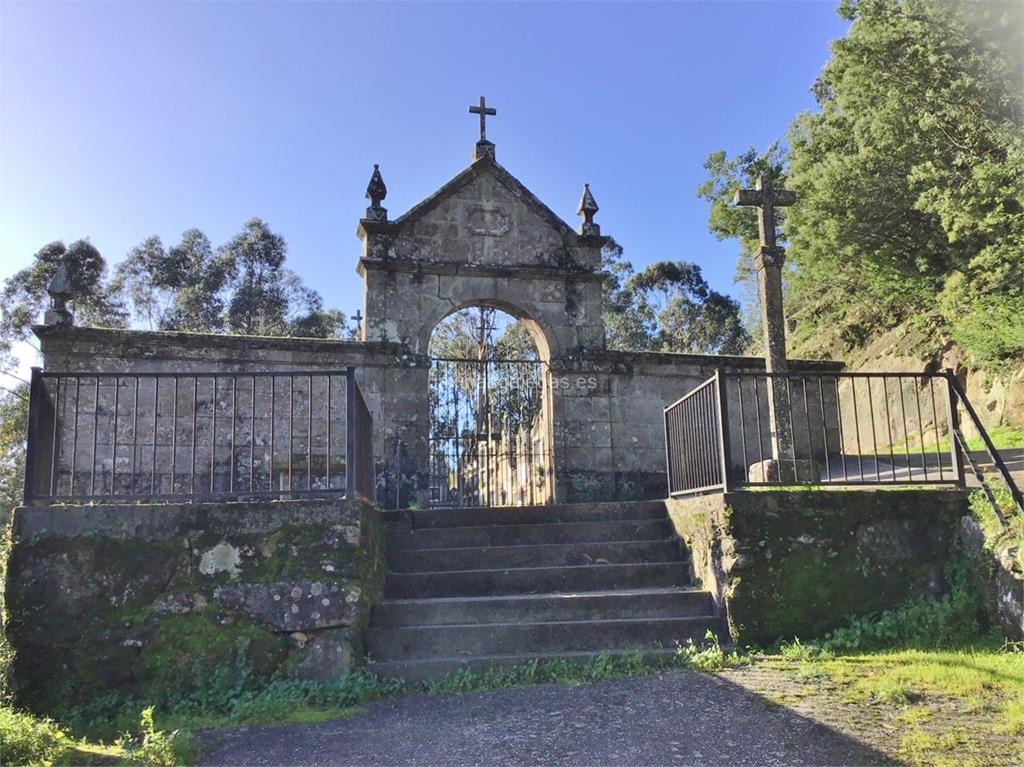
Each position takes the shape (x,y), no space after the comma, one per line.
(834,429)
(127,436)
(994,458)
(694,439)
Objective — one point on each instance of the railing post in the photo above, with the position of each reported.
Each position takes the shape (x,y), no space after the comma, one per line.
(350,433)
(953,425)
(721,396)
(35,401)
(668,453)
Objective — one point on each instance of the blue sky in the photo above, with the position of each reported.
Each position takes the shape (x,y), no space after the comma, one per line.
(119,121)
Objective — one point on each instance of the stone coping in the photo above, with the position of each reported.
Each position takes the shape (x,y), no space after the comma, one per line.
(623,357)
(153,520)
(141,345)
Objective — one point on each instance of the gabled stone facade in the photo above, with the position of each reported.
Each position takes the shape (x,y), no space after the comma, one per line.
(483,238)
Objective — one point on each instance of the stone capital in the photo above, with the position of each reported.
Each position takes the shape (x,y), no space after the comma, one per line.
(768,255)
(369,226)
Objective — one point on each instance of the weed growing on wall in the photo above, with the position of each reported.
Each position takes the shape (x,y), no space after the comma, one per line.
(961,617)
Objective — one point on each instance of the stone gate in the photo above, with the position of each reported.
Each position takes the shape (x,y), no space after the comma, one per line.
(481,239)
(310,586)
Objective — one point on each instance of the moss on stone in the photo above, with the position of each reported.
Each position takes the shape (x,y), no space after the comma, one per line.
(798,563)
(121,600)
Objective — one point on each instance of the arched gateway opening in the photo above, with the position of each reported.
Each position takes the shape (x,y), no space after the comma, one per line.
(490,425)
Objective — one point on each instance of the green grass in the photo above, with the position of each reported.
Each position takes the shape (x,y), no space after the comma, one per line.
(706,656)
(953,705)
(1003,438)
(111,730)
(35,742)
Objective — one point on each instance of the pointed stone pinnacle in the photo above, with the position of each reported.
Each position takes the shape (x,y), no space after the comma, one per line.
(375,192)
(587,208)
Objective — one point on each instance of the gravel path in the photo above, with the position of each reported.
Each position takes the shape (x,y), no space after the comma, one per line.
(673,717)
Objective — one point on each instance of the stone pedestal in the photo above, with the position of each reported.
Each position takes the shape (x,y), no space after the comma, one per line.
(785,472)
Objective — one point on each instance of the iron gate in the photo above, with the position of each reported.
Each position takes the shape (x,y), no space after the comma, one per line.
(489,433)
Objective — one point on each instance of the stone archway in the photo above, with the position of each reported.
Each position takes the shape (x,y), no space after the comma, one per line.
(481,239)
(490,425)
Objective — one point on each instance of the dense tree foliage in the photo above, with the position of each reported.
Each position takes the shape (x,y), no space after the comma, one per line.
(176,289)
(242,287)
(24,296)
(667,307)
(13,425)
(909,177)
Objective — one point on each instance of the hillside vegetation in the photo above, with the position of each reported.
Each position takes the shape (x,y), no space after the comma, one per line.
(910,184)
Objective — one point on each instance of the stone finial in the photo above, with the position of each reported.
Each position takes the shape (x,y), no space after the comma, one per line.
(375,192)
(60,291)
(587,209)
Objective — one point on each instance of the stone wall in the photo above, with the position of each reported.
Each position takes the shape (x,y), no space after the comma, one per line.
(606,406)
(782,564)
(150,599)
(610,430)
(1002,549)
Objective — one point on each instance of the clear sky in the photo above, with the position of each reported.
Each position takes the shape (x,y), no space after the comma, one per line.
(123,120)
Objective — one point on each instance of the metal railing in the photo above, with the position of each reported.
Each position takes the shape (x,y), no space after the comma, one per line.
(837,429)
(694,439)
(990,450)
(133,436)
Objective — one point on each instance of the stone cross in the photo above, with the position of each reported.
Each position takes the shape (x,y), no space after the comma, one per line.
(358,319)
(767,198)
(483,110)
(768,261)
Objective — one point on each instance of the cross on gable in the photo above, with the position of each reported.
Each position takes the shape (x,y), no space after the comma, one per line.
(483,110)
(766,198)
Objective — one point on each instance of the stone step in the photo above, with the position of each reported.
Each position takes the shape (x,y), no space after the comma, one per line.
(534,555)
(423,669)
(416,642)
(485,516)
(535,580)
(632,603)
(522,535)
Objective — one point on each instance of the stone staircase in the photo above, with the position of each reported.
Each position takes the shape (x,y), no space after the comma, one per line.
(497,586)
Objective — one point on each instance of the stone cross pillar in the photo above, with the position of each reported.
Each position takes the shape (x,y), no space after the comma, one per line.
(768,261)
